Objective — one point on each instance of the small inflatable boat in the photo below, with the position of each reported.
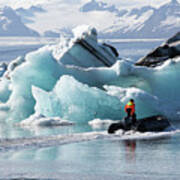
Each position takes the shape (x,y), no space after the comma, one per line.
(149,124)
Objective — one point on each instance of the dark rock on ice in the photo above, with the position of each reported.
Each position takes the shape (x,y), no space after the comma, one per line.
(170,49)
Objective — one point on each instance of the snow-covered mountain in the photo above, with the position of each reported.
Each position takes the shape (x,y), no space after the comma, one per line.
(11,24)
(65,32)
(147,22)
(112,19)
(93,5)
(142,22)
(98,6)
(27,14)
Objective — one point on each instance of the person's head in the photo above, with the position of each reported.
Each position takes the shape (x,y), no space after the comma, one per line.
(131,100)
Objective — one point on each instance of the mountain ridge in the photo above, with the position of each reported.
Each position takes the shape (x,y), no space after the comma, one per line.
(161,23)
(11,24)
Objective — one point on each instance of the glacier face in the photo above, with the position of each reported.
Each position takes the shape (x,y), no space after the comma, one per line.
(49,83)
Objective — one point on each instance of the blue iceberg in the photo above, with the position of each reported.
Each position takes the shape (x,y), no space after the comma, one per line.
(81,79)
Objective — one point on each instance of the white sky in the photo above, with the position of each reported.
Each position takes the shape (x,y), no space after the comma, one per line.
(121,3)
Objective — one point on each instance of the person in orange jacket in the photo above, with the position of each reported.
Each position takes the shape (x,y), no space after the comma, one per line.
(130,110)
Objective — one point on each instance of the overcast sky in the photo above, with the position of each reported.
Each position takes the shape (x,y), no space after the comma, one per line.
(121,3)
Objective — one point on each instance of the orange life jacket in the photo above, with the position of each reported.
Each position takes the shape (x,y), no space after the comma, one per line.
(130,105)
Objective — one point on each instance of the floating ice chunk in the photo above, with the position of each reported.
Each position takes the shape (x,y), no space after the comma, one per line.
(155,90)
(149,87)
(132,135)
(41,120)
(40,69)
(99,123)
(83,50)
(119,132)
(75,101)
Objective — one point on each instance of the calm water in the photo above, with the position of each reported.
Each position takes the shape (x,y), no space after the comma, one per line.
(99,159)
(135,49)
(12,47)
(103,158)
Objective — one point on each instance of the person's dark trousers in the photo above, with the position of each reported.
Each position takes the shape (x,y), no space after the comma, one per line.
(128,118)
(128,112)
(133,117)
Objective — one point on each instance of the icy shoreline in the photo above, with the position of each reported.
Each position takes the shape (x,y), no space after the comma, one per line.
(48,141)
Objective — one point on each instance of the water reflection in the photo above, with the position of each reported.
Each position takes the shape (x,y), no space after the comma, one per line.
(130,147)
(15,131)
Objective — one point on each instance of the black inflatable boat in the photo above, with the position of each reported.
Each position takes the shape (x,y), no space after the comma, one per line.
(150,124)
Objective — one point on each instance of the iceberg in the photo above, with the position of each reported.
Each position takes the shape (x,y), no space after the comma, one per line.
(84,50)
(75,101)
(99,123)
(43,68)
(80,79)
